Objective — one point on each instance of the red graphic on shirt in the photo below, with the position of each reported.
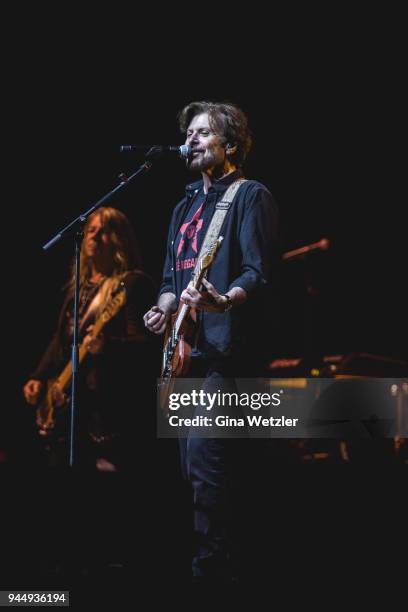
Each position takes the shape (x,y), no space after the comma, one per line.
(185,264)
(194,226)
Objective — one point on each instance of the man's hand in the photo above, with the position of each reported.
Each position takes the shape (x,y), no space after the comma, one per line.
(209,300)
(156,319)
(32,391)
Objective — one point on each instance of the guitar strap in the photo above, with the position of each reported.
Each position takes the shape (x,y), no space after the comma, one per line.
(221,209)
(92,307)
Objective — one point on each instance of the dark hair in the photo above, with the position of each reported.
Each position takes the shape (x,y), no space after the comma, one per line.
(227,120)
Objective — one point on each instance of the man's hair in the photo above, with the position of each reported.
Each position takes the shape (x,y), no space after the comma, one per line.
(227,120)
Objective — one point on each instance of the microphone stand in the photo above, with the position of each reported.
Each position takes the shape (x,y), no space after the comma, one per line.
(76,227)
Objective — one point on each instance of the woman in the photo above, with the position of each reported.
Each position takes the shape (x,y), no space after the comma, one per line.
(120,354)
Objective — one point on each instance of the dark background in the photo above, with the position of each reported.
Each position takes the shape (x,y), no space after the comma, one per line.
(322,124)
(323,108)
(318,146)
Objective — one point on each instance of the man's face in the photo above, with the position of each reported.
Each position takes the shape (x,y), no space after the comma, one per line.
(207,147)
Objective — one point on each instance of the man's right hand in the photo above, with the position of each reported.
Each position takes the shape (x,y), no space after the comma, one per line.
(32,391)
(156,319)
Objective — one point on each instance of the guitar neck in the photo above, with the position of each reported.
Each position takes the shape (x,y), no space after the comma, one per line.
(65,377)
(116,303)
(197,278)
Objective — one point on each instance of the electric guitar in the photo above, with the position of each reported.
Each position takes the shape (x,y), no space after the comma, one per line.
(180,332)
(47,409)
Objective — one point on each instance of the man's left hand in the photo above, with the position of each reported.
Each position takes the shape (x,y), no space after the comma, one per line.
(209,300)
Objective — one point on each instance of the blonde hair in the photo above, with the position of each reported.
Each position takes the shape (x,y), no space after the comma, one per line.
(126,255)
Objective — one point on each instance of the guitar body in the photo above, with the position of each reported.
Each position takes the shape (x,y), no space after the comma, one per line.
(180,361)
(48,408)
(176,353)
(53,402)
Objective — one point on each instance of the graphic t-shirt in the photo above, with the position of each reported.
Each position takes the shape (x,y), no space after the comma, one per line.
(186,243)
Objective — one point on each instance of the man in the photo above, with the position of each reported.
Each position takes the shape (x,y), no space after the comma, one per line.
(117,356)
(234,315)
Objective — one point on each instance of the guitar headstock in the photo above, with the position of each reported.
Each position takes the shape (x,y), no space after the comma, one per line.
(208,258)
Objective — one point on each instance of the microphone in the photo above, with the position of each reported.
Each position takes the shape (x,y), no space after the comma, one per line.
(154,151)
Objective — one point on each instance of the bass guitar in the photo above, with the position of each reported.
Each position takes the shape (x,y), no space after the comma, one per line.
(47,409)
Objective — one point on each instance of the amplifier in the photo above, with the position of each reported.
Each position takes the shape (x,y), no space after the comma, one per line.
(330,366)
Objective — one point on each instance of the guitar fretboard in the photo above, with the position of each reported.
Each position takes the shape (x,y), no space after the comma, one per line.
(197,278)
